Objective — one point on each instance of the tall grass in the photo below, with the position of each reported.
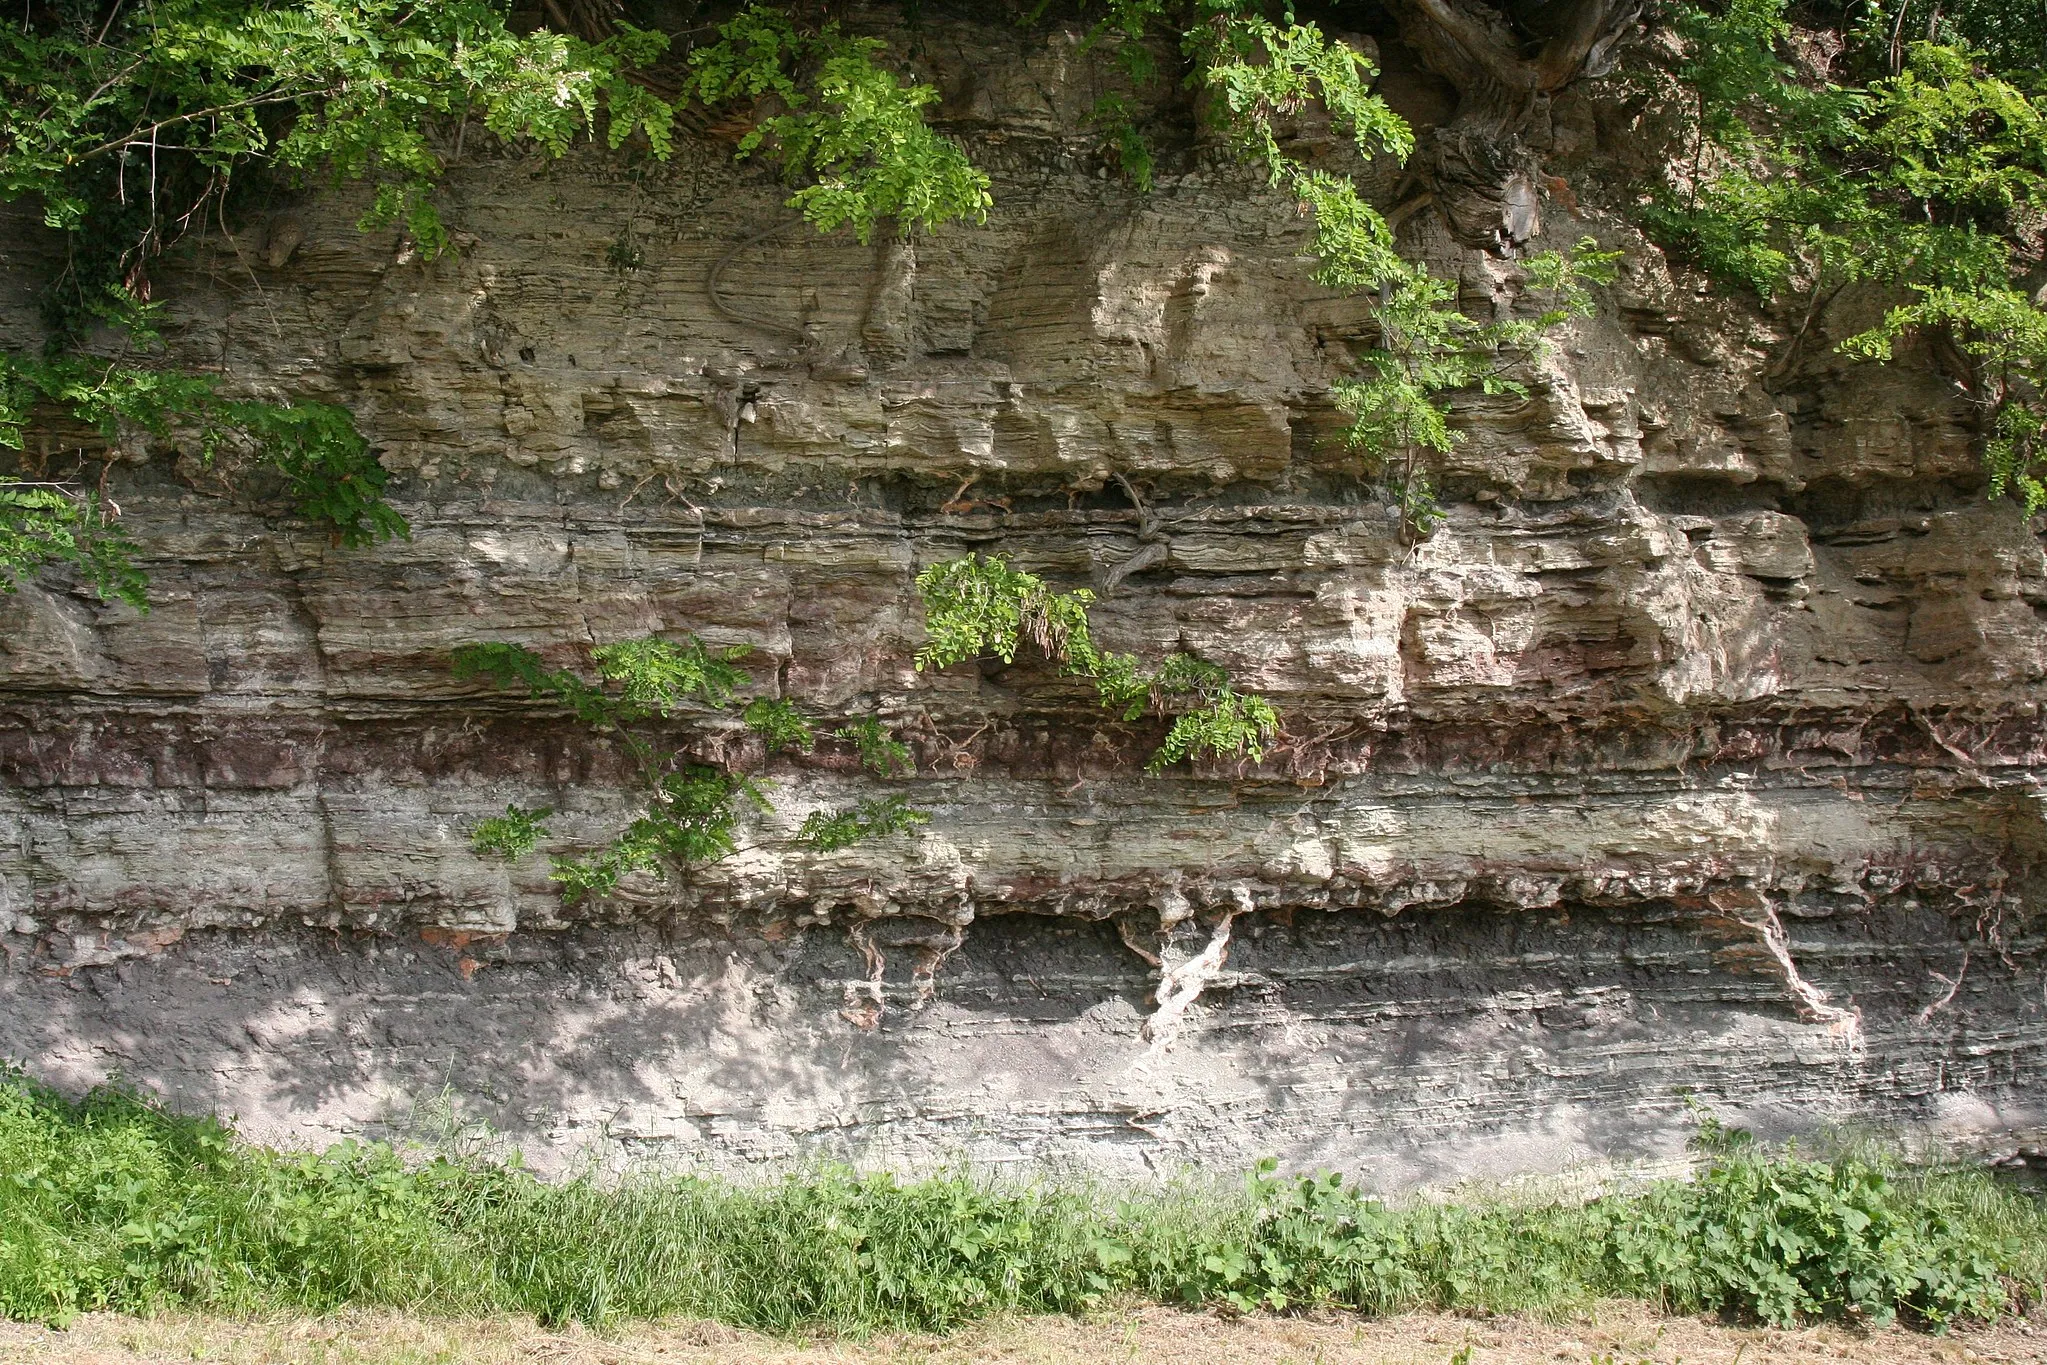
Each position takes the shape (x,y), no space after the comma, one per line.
(113,1202)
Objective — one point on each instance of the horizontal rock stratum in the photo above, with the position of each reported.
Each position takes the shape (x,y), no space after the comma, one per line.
(1699,753)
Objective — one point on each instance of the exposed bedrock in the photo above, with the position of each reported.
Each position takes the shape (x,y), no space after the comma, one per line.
(1702,748)
(1428,1046)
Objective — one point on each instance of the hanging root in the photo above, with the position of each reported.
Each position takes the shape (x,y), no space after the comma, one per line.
(863,1006)
(1181,983)
(932,951)
(1153,547)
(1147,556)
(795,334)
(1813,1004)
(1953,985)
(1126,932)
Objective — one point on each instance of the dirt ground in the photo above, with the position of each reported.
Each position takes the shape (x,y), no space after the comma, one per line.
(1617,1334)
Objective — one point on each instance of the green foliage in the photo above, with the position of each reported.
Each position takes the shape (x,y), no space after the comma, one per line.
(691,821)
(977,606)
(692,812)
(514,834)
(1121,684)
(1954,139)
(56,523)
(111,1202)
(1315,1239)
(873,818)
(1353,243)
(780,724)
(830,1249)
(97,394)
(851,129)
(880,752)
(327,466)
(1786,1239)
(1122,141)
(1564,280)
(128,124)
(1923,178)
(1227,724)
(1805,187)
(1428,348)
(1773,1236)
(1260,73)
(656,677)
(1742,85)
(1123,26)
(1264,72)
(1183,673)
(598,873)
(103,109)
(514,666)
(2014,36)
(334,478)
(2006,333)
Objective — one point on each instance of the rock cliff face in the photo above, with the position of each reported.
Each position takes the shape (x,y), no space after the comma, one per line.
(1700,749)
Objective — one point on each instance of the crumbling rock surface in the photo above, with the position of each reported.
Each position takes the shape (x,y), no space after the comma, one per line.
(1699,751)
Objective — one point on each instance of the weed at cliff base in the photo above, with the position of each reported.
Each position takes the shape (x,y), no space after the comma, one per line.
(113,1202)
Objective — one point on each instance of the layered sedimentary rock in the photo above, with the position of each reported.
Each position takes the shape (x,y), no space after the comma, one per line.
(1700,750)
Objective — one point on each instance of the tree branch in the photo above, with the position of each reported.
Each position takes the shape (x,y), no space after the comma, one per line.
(148,133)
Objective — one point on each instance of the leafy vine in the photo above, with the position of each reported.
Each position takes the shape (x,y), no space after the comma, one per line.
(333,478)
(693,811)
(127,125)
(850,128)
(1259,72)
(977,607)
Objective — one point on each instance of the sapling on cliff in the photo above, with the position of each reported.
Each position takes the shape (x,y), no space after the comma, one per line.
(1428,348)
(693,809)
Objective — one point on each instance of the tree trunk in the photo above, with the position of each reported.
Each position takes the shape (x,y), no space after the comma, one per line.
(1479,166)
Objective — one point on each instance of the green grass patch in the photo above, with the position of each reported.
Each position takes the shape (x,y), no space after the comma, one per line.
(114,1202)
